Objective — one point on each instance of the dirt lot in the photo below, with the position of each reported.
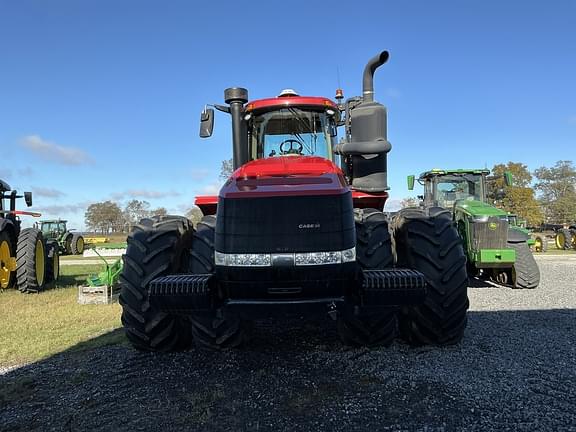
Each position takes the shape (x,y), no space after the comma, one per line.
(515,370)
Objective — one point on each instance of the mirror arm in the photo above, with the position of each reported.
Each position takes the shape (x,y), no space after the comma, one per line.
(222,108)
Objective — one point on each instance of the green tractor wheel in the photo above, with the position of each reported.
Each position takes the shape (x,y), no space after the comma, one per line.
(563,239)
(540,244)
(525,272)
(77,244)
(52,261)
(31,261)
(7,261)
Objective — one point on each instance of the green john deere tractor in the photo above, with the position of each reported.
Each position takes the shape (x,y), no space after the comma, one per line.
(494,247)
(69,242)
(27,260)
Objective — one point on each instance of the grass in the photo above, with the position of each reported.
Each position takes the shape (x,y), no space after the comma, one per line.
(117,245)
(35,326)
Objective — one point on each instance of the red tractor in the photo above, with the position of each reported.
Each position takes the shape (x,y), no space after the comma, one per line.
(298,227)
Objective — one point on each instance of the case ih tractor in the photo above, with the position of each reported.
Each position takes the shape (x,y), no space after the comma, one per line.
(70,243)
(27,260)
(494,247)
(291,231)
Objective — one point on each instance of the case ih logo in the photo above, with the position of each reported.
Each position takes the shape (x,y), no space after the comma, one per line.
(315,225)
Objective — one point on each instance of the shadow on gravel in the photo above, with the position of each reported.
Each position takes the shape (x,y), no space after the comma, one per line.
(484,283)
(514,370)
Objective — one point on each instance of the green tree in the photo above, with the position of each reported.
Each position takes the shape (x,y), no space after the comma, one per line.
(557,191)
(195,215)
(520,174)
(136,210)
(226,169)
(104,217)
(409,202)
(160,211)
(518,198)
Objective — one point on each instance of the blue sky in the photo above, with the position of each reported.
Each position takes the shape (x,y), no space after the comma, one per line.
(101,99)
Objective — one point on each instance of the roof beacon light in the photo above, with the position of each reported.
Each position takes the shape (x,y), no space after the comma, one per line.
(288,93)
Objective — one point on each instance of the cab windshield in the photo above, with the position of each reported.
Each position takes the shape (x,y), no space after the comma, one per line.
(49,227)
(291,131)
(453,187)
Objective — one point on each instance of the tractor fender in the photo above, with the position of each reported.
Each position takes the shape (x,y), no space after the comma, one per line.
(517,236)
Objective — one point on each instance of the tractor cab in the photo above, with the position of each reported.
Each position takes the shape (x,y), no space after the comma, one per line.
(291,125)
(53,228)
(442,188)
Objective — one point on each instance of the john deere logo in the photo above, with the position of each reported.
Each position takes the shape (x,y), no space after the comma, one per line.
(493,226)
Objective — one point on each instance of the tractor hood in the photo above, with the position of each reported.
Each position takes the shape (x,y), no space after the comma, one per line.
(478,208)
(285,176)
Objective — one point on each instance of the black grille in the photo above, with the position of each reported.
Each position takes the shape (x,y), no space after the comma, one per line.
(285,224)
(492,234)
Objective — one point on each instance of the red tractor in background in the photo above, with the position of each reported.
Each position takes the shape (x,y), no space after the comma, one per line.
(291,231)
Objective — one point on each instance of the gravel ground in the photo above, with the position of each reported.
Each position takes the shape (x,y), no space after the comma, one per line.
(513,371)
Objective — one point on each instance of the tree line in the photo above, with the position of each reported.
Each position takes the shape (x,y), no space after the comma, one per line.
(108,217)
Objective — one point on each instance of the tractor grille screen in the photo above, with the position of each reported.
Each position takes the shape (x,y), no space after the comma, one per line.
(492,234)
(285,224)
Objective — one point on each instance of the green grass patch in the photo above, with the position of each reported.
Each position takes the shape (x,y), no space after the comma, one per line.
(117,245)
(35,326)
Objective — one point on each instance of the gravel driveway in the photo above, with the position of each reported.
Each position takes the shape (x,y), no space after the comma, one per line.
(515,370)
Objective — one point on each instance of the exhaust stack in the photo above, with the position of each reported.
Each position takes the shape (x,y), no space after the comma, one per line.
(368,77)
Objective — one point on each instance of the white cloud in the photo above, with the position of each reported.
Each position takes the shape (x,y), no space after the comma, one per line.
(62,210)
(55,153)
(47,192)
(211,189)
(393,205)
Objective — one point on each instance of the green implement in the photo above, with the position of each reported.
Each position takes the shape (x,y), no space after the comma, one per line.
(108,277)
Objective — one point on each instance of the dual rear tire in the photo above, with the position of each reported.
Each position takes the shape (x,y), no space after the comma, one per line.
(156,247)
(429,243)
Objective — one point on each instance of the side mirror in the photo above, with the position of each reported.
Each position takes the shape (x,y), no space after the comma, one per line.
(508,178)
(206,123)
(410,179)
(28,198)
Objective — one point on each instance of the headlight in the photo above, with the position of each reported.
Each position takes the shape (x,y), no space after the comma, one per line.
(297,259)
(480,218)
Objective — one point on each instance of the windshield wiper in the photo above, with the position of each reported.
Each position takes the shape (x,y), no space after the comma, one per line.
(305,129)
